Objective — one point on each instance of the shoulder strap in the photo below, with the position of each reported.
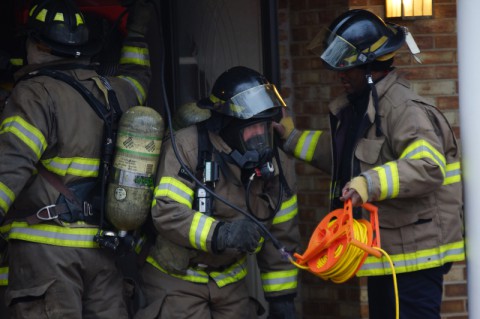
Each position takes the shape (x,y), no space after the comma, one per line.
(205,148)
(100,109)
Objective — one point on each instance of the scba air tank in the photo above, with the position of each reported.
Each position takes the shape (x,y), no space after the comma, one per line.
(130,190)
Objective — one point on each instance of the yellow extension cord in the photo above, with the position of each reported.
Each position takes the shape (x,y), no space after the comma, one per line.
(347,265)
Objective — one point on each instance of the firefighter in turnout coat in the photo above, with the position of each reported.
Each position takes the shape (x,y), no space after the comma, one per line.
(49,134)
(205,275)
(392,148)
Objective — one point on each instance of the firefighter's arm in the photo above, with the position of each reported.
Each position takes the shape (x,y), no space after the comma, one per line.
(134,65)
(310,146)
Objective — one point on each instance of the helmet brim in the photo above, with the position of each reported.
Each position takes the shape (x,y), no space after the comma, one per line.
(88,49)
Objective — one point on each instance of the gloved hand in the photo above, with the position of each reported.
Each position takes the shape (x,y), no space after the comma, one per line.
(242,235)
(356,190)
(285,127)
(139,17)
(282,308)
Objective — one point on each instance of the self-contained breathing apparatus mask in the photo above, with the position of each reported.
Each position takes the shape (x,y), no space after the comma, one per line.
(252,145)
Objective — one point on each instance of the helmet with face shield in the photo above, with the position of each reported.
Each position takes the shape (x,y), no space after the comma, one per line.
(357,37)
(246,103)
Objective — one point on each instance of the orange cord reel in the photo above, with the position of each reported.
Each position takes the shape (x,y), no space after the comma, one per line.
(340,244)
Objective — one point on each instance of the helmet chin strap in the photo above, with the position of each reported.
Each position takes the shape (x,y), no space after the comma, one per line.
(368,75)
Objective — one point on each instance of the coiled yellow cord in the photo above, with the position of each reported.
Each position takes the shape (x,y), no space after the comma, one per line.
(346,265)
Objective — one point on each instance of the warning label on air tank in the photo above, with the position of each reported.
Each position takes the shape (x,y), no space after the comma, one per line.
(137,154)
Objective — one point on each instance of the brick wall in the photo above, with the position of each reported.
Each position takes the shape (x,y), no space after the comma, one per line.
(308,88)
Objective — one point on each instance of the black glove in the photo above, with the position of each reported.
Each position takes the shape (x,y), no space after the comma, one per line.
(139,16)
(241,234)
(281,308)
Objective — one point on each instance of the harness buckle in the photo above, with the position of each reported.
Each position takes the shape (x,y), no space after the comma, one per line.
(50,214)
(87,209)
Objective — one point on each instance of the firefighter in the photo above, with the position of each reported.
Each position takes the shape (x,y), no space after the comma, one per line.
(234,155)
(52,145)
(394,149)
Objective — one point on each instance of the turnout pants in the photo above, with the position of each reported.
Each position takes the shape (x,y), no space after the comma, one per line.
(168,297)
(47,281)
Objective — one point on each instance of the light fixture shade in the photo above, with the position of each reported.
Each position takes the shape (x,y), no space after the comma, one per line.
(408,8)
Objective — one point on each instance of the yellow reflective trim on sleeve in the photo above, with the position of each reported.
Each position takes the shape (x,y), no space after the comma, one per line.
(199,230)
(7,197)
(423,149)
(288,211)
(389,180)
(139,90)
(306,145)
(135,55)
(26,132)
(4,276)
(176,190)
(276,281)
(76,166)
(454,174)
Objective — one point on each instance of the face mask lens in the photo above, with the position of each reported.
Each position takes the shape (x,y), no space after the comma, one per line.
(257,136)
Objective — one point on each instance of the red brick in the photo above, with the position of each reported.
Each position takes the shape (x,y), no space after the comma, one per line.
(455,290)
(446,41)
(453,306)
(444,11)
(447,102)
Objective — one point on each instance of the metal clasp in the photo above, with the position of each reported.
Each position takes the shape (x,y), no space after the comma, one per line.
(50,216)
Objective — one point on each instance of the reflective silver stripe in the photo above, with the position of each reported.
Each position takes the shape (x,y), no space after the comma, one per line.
(139,90)
(18,124)
(73,166)
(230,275)
(420,260)
(307,144)
(288,211)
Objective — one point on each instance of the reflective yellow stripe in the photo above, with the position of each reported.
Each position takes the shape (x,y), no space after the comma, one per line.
(58,17)
(79,19)
(277,281)
(7,197)
(135,55)
(26,132)
(232,274)
(454,174)
(139,90)
(288,211)
(199,230)
(389,180)
(306,145)
(423,149)
(414,261)
(54,235)
(176,190)
(3,276)
(192,275)
(41,15)
(76,166)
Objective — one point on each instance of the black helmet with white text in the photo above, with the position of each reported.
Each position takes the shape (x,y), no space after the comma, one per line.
(62,27)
